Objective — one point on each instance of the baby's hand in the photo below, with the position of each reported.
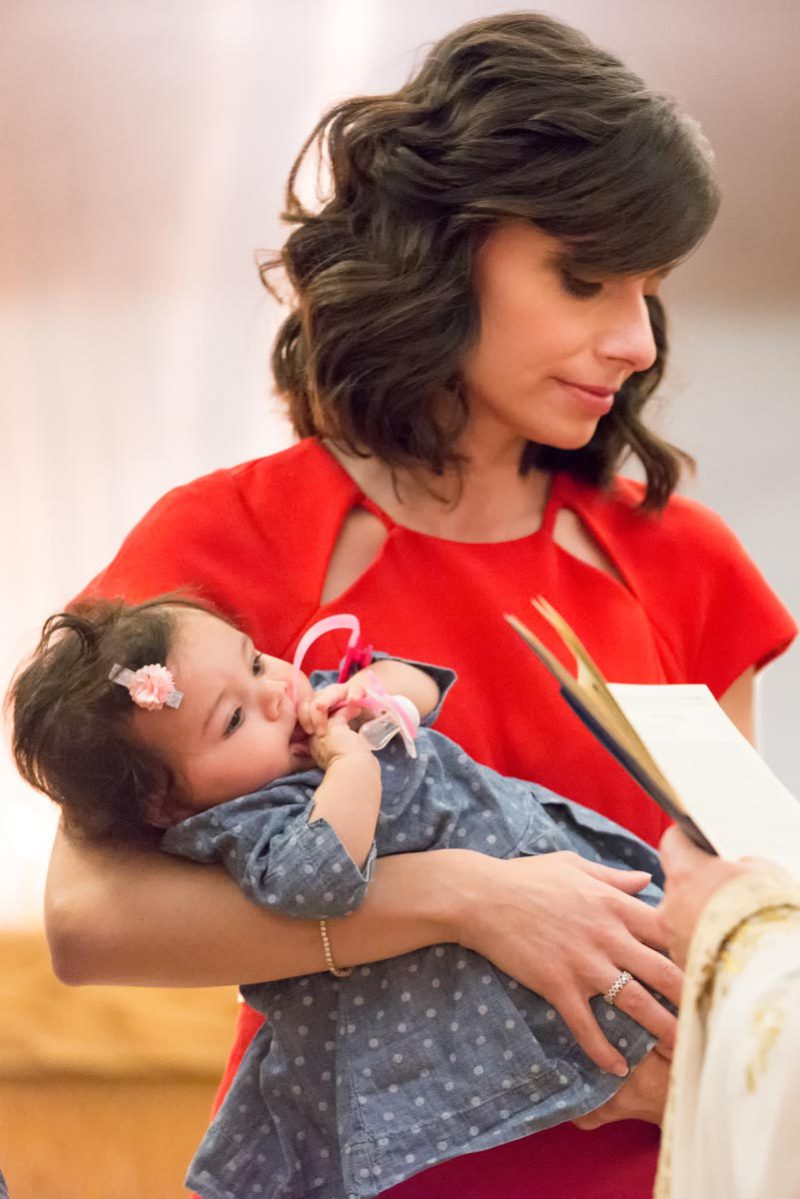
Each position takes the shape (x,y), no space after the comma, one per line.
(326,716)
(337,741)
(346,698)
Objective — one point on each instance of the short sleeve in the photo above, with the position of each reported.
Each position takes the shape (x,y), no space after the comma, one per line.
(441,675)
(280,859)
(711,610)
(739,622)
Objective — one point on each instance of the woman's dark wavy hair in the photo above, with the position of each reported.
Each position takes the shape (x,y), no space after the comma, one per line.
(71,730)
(510,117)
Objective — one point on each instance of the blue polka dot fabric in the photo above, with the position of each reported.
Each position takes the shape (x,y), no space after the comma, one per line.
(353,1085)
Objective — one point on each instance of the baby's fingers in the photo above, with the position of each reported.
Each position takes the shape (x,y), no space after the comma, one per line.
(345,713)
(328,697)
(304,717)
(318,715)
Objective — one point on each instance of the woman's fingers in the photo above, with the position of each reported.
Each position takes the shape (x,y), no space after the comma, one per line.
(630,881)
(641,1097)
(579,1019)
(645,1009)
(569,929)
(652,968)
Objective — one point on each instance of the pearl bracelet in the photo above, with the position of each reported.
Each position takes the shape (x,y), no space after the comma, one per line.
(328,955)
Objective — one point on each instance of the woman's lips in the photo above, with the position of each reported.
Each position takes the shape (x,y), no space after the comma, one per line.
(598,400)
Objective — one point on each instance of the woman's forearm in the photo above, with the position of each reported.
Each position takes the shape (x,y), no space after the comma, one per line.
(144,918)
(548,921)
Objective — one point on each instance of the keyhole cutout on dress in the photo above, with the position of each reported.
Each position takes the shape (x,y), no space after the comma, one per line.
(360,540)
(363,534)
(572,535)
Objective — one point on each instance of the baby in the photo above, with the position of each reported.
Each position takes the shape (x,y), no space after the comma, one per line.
(164,716)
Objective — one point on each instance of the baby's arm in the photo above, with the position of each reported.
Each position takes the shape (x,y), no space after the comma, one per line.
(349,796)
(401,678)
(290,855)
(286,854)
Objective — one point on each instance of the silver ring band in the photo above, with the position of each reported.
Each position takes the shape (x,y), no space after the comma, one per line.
(618,984)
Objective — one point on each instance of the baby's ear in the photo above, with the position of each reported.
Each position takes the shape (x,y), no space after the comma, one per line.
(166,807)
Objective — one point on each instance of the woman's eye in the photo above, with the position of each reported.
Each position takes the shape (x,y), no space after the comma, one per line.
(584,289)
(258,664)
(234,722)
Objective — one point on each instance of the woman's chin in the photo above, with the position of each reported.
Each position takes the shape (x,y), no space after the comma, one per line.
(575,438)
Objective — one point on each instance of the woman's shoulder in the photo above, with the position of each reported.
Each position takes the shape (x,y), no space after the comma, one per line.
(683,524)
(287,476)
(714,609)
(237,522)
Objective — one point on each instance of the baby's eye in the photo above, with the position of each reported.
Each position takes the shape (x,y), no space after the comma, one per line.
(582,288)
(234,722)
(258,664)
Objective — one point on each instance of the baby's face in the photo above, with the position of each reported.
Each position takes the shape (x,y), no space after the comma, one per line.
(236,728)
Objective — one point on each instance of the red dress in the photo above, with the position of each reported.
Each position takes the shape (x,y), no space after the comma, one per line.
(256,541)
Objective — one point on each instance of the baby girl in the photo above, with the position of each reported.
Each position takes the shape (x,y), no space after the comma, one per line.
(163,722)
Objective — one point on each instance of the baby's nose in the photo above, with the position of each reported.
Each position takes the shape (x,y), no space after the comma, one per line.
(274,693)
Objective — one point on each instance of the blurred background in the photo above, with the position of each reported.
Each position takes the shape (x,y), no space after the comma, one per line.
(145,146)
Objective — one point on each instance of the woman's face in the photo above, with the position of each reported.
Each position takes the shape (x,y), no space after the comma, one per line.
(552,349)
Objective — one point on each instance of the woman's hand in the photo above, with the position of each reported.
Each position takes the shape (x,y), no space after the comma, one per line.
(692,878)
(642,1097)
(566,928)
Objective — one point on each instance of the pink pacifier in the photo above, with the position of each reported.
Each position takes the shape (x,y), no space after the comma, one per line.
(394,714)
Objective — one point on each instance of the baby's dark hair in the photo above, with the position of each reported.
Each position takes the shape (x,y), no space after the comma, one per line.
(72,736)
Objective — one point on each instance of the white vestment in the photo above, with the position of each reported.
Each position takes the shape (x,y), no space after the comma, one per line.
(732,1124)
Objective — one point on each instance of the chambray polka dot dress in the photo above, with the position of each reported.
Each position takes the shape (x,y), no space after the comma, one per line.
(354,1084)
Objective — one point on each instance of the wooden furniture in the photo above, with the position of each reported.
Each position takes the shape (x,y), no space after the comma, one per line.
(104,1091)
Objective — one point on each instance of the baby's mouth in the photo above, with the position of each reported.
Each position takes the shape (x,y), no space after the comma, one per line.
(299,737)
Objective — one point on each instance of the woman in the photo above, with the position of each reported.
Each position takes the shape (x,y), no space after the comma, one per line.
(475,335)
(731,1127)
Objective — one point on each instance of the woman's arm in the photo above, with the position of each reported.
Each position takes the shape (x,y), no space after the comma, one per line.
(146,919)
(738,703)
(141,918)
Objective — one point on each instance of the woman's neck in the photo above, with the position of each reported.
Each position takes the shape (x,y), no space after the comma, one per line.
(487,500)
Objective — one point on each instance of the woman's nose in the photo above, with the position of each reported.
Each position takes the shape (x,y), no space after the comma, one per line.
(628,336)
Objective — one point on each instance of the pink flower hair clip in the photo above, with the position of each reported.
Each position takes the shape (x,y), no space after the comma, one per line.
(150,687)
